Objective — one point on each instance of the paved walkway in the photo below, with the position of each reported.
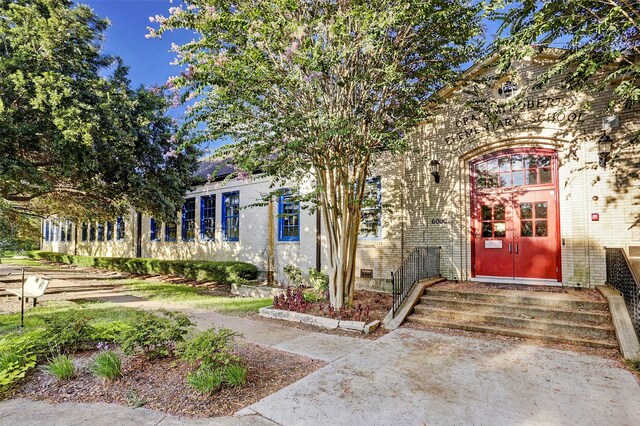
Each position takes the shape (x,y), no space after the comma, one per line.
(413,377)
(23,412)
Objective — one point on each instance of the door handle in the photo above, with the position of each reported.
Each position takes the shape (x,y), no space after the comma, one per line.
(509,248)
(516,248)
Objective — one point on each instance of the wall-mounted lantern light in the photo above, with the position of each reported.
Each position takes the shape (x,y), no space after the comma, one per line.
(434,165)
(604,149)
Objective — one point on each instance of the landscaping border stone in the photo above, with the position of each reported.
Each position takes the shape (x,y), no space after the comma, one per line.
(256,291)
(331,323)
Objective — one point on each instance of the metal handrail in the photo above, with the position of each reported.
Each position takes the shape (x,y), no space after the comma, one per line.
(421,263)
(620,275)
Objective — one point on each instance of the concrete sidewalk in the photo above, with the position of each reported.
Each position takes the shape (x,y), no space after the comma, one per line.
(414,377)
(23,412)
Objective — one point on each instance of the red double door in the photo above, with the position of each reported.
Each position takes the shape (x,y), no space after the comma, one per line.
(515,229)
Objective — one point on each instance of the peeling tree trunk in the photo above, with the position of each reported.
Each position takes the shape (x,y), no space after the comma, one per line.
(340,206)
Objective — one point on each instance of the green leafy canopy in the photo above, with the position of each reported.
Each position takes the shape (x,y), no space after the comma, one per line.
(75,138)
(317,89)
(601,42)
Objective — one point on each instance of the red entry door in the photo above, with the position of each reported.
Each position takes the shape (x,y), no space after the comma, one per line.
(535,239)
(494,236)
(515,216)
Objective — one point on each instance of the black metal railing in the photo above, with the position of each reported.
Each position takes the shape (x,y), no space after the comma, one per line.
(620,276)
(421,263)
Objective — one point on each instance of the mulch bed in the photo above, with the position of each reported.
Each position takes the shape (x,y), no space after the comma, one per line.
(161,384)
(378,305)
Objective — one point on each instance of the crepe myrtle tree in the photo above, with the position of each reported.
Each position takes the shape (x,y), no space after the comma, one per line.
(317,89)
(75,138)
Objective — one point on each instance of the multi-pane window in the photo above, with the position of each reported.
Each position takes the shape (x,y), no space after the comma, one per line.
(66,229)
(100,231)
(207,217)
(533,219)
(231,216)
(109,231)
(92,231)
(46,231)
(371,210)
(85,231)
(189,220)
(154,231)
(120,229)
(69,230)
(288,218)
(170,231)
(493,221)
(513,171)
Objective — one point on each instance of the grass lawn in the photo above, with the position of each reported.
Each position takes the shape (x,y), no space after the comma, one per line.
(7,259)
(191,296)
(101,314)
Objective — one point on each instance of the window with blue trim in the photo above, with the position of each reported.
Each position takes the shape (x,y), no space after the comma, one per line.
(46,231)
(109,231)
(100,231)
(85,231)
(208,218)
(288,218)
(69,230)
(154,232)
(371,210)
(231,216)
(92,231)
(189,220)
(170,232)
(120,229)
(63,231)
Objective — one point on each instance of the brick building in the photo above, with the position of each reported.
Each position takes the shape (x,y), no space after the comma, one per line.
(521,196)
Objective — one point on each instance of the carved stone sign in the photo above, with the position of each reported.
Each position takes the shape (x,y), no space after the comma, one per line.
(525,112)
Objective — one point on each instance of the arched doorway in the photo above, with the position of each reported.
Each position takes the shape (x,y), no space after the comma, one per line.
(515,216)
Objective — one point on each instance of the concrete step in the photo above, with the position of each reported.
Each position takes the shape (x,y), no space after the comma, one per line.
(512,309)
(548,326)
(511,332)
(529,298)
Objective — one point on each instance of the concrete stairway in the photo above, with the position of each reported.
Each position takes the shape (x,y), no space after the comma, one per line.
(554,317)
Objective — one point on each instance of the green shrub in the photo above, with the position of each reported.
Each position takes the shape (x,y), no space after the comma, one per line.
(69,334)
(206,379)
(212,347)
(225,272)
(319,281)
(18,355)
(107,365)
(294,275)
(235,374)
(154,336)
(61,367)
(110,331)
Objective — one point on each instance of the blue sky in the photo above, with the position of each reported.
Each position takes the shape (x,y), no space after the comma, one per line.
(148,59)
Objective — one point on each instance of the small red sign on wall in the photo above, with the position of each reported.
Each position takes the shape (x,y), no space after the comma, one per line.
(595,217)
